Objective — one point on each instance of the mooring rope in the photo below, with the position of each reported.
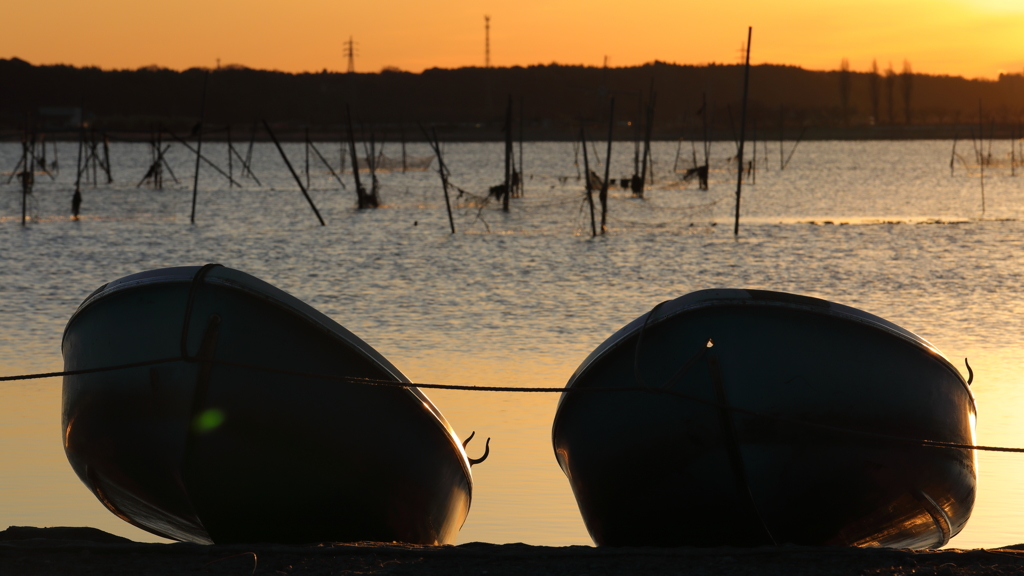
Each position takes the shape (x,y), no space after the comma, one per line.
(541,390)
(88,370)
(200,275)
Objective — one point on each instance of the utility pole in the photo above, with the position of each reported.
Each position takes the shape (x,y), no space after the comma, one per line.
(487,41)
(350,53)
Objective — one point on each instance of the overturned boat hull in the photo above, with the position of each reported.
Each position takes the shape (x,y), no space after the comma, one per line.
(791,427)
(230,439)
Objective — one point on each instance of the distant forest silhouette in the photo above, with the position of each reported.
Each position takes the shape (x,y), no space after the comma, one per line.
(469,103)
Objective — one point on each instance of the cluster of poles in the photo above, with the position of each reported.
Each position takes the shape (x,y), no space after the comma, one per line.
(642,160)
(93,163)
(983,157)
(94,160)
(603,195)
(366,197)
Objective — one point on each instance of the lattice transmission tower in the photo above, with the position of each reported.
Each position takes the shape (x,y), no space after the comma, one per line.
(487,41)
(350,53)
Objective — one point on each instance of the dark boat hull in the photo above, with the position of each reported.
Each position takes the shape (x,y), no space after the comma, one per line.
(220,452)
(656,469)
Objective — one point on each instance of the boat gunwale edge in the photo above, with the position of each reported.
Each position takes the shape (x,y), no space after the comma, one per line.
(832,309)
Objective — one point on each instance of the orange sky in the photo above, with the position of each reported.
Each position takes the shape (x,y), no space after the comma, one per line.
(972,38)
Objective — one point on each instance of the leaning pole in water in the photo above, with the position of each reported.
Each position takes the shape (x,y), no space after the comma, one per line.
(589,187)
(443,171)
(292,170)
(743,126)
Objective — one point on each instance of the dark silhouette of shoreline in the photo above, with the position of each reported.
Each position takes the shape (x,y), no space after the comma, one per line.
(87,551)
(469,103)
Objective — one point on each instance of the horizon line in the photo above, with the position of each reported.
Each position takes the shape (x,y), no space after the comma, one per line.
(398,70)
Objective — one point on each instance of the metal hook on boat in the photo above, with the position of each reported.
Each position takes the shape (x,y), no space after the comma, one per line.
(487,450)
(970,372)
(468,438)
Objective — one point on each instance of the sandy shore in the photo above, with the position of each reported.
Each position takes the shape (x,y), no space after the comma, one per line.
(87,551)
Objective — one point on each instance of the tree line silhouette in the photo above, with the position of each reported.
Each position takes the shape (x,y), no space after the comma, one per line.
(469,103)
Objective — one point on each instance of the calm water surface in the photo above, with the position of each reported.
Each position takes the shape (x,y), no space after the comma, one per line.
(519,299)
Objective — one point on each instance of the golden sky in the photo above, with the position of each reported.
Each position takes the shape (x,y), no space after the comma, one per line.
(972,38)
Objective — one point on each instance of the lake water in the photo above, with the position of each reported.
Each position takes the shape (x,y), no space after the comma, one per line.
(519,299)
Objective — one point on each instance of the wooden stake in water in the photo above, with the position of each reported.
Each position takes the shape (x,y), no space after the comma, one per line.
(363,198)
(753,161)
(247,165)
(231,149)
(702,173)
(360,193)
(522,176)
(244,170)
(442,170)
(327,164)
(799,139)
(607,165)
(981,141)
(743,126)
(163,158)
(508,155)
(401,128)
(292,170)
(17,169)
(25,175)
(106,158)
(56,164)
(637,135)
(952,156)
(78,171)
(199,156)
(342,152)
(199,148)
(307,157)
(39,159)
(648,125)
(782,153)
(371,162)
(981,156)
(1013,152)
(587,186)
(95,157)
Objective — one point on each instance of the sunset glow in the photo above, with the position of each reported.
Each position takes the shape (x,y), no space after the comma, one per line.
(972,38)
